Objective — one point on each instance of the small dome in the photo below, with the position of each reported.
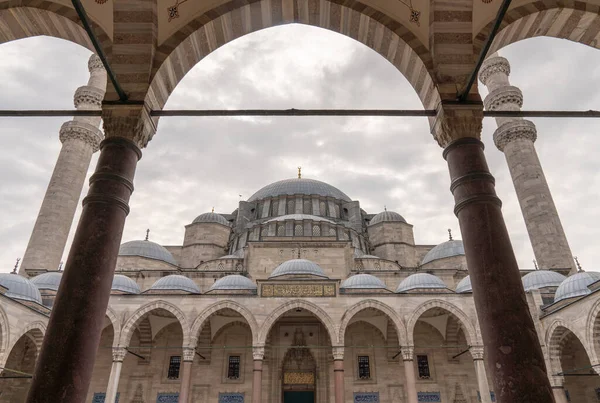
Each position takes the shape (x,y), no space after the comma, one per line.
(47,281)
(387,216)
(176,282)
(464,286)
(420,280)
(124,284)
(298,266)
(443,250)
(362,281)
(148,249)
(299,186)
(576,285)
(300,217)
(233,282)
(20,288)
(211,218)
(542,278)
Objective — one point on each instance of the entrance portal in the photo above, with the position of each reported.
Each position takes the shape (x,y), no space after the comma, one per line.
(299,369)
(299,397)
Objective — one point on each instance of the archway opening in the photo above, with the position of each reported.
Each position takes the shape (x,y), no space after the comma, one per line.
(16,375)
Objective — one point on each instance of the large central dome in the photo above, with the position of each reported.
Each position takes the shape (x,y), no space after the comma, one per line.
(299,186)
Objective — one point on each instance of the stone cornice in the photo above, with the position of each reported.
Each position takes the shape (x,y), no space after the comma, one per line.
(514,130)
(493,65)
(76,130)
(502,96)
(88,95)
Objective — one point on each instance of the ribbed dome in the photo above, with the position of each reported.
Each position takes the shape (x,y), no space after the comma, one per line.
(20,288)
(362,281)
(300,217)
(47,281)
(124,284)
(233,282)
(299,186)
(542,278)
(176,282)
(148,249)
(387,216)
(298,266)
(443,250)
(419,281)
(464,286)
(211,218)
(576,285)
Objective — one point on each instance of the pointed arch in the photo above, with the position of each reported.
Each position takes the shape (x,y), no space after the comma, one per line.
(555,337)
(470,329)
(380,306)
(4,332)
(593,333)
(37,330)
(214,308)
(112,317)
(318,312)
(130,324)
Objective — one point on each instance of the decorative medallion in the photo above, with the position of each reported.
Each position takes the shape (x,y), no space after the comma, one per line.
(299,378)
(174,9)
(368,397)
(415,15)
(298,290)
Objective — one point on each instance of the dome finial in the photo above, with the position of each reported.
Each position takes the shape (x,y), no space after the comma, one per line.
(16,266)
(299,172)
(450,234)
(535,264)
(147,234)
(579,269)
(384,207)
(60,265)
(213,210)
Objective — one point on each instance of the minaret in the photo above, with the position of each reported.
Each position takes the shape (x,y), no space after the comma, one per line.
(515,137)
(80,138)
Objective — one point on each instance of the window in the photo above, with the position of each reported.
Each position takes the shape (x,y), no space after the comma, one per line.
(291,207)
(323,208)
(364,369)
(274,208)
(423,366)
(174,364)
(233,370)
(281,230)
(298,230)
(307,209)
(316,230)
(264,231)
(336,209)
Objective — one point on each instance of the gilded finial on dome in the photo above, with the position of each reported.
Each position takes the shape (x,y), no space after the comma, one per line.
(16,266)
(384,207)
(147,234)
(535,264)
(213,210)
(450,234)
(60,265)
(578,265)
(299,172)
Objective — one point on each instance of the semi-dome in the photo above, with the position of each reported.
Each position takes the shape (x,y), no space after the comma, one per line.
(124,284)
(47,281)
(176,282)
(576,285)
(420,281)
(20,288)
(542,278)
(298,266)
(300,217)
(211,218)
(362,281)
(233,282)
(464,286)
(443,250)
(148,249)
(299,186)
(387,216)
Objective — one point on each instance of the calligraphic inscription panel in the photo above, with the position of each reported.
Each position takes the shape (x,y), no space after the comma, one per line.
(231,398)
(366,397)
(429,397)
(298,378)
(101,396)
(167,398)
(298,290)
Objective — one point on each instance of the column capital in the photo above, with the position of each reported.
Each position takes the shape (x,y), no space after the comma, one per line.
(131,121)
(258,353)
(476,352)
(408,353)
(78,130)
(189,353)
(119,353)
(88,95)
(94,63)
(493,65)
(514,130)
(454,121)
(338,352)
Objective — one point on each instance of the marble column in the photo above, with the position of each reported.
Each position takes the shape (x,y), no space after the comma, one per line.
(513,351)
(480,372)
(186,374)
(515,137)
(80,138)
(258,354)
(408,357)
(558,389)
(338,373)
(66,360)
(118,354)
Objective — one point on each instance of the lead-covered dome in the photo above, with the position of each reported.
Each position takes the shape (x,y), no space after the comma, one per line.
(298,267)
(20,288)
(444,250)
(299,186)
(420,281)
(464,286)
(362,281)
(48,281)
(211,218)
(175,282)
(387,216)
(233,282)
(576,285)
(147,249)
(542,278)
(125,285)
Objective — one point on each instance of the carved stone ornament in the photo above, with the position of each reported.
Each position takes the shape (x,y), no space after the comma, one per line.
(493,65)
(338,353)
(76,130)
(88,95)
(94,63)
(455,121)
(502,96)
(258,352)
(189,353)
(477,352)
(514,130)
(408,353)
(119,353)
(132,122)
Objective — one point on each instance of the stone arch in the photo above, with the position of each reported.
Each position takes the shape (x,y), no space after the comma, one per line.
(112,317)
(318,312)
(35,331)
(129,327)
(4,333)
(593,333)
(555,336)
(179,53)
(214,308)
(470,330)
(380,306)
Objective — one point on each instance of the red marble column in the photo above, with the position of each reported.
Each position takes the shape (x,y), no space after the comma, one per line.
(64,367)
(338,372)
(513,350)
(257,381)
(186,381)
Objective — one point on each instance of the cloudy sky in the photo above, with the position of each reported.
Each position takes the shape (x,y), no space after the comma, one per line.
(194,164)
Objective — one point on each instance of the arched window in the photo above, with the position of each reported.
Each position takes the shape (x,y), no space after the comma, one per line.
(274,208)
(298,230)
(337,210)
(307,207)
(264,231)
(316,230)
(332,231)
(291,206)
(344,235)
(281,230)
(259,210)
(323,209)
